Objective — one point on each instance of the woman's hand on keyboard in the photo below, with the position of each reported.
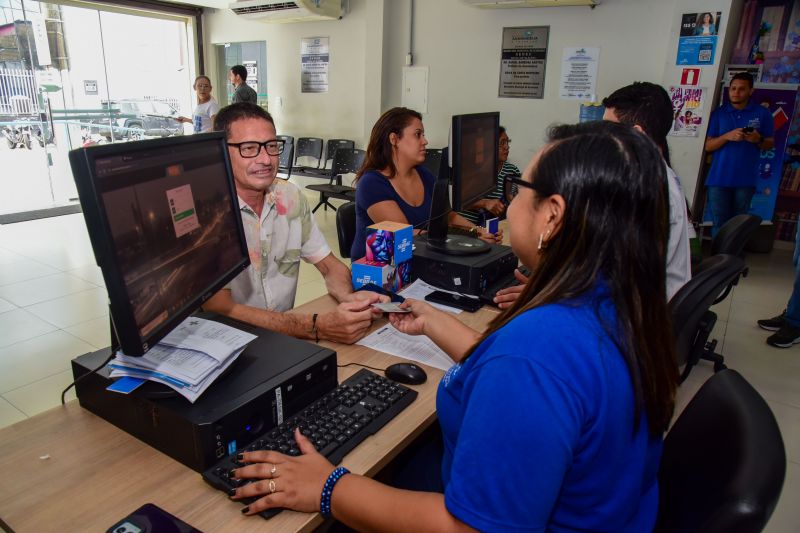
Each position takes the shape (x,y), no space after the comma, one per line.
(283,481)
(505,297)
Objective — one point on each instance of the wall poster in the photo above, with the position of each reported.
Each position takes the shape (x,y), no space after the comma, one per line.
(687,109)
(579,73)
(697,43)
(314,61)
(522,62)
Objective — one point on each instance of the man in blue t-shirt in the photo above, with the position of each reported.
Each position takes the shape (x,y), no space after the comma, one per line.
(737,132)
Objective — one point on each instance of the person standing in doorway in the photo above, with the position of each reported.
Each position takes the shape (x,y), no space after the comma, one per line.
(242,92)
(207,107)
(737,132)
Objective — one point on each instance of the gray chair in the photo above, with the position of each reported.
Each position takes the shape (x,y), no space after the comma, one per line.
(310,148)
(723,463)
(332,146)
(346,227)
(287,156)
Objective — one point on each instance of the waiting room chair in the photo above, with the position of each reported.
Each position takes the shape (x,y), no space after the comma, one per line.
(308,147)
(346,227)
(287,156)
(731,240)
(723,463)
(332,146)
(345,161)
(433,158)
(692,319)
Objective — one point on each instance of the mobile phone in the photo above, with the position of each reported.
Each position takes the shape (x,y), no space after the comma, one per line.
(748,129)
(458,301)
(150,518)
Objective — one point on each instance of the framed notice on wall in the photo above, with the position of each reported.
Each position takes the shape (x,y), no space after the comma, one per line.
(522,62)
(314,61)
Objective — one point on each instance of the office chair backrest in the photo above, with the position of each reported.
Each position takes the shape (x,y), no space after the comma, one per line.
(723,463)
(308,147)
(734,234)
(433,158)
(287,156)
(346,227)
(335,144)
(346,161)
(689,305)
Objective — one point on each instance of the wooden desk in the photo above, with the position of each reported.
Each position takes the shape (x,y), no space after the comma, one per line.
(69,470)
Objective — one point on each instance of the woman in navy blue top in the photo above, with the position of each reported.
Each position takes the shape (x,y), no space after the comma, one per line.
(393,185)
(552,419)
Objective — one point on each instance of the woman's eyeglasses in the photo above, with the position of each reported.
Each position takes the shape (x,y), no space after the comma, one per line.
(250,149)
(521,183)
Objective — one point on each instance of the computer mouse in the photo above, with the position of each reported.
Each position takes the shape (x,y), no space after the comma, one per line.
(406,373)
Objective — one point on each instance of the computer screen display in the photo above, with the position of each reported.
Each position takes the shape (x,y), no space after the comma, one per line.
(163,218)
(474,146)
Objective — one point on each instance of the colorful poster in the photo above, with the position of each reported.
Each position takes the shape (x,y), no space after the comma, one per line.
(687,110)
(697,43)
(314,61)
(522,62)
(769,35)
(780,100)
(579,73)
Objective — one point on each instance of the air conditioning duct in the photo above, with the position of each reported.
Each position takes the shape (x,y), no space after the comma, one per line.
(530,3)
(282,11)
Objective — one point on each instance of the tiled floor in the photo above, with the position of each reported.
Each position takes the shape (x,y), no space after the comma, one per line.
(52,308)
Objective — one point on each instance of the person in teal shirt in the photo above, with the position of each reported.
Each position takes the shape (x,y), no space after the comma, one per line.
(552,419)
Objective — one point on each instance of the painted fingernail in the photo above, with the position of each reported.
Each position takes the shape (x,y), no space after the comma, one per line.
(240,457)
(232,473)
(245,510)
(231,492)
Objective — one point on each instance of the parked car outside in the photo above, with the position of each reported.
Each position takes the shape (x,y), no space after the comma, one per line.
(136,119)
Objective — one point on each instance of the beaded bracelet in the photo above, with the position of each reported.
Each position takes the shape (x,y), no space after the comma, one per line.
(327,490)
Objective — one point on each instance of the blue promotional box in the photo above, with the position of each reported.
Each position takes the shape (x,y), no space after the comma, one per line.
(389,242)
(365,272)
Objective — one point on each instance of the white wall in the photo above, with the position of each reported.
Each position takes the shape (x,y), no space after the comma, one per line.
(461,45)
(354,45)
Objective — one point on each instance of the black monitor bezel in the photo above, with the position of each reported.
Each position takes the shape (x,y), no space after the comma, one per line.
(125,329)
(460,203)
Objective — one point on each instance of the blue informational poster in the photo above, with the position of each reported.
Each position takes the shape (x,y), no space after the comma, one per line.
(697,43)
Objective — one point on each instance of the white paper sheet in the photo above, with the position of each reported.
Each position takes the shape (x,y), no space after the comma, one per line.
(417,348)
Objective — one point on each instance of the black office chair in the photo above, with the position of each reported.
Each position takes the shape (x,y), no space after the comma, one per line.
(433,158)
(345,161)
(346,227)
(692,319)
(287,156)
(731,239)
(332,146)
(724,462)
(308,147)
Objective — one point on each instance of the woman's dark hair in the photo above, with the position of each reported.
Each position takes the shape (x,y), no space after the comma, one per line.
(614,230)
(379,149)
(239,111)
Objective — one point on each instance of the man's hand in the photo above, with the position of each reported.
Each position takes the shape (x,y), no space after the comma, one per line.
(491,238)
(753,137)
(505,297)
(348,323)
(734,135)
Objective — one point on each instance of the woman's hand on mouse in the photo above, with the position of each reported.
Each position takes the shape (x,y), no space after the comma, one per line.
(296,481)
(412,323)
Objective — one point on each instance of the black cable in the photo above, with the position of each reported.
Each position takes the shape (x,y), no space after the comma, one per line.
(64,392)
(365,366)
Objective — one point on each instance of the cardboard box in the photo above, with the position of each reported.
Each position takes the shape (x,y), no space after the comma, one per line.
(365,271)
(401,276)
(389,242)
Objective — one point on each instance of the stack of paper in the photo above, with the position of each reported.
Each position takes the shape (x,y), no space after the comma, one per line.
(189,359)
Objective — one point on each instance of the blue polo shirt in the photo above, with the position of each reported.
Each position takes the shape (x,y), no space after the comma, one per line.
(736,163)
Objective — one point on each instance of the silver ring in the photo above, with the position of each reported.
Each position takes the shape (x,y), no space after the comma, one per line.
(272,486)
(273,470)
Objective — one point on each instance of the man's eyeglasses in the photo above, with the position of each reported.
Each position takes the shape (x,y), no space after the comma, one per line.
(249,149)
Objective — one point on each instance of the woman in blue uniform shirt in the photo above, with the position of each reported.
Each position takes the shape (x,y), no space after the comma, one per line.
(552,419)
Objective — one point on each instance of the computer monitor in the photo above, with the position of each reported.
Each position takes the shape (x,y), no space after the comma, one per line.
(470,165)
(163,219)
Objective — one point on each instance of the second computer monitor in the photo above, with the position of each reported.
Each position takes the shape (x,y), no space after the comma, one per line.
(474,146)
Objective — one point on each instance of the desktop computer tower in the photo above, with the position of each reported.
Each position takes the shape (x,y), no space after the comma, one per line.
(274,378)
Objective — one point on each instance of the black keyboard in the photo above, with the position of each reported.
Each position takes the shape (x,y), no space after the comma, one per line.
(336,423)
